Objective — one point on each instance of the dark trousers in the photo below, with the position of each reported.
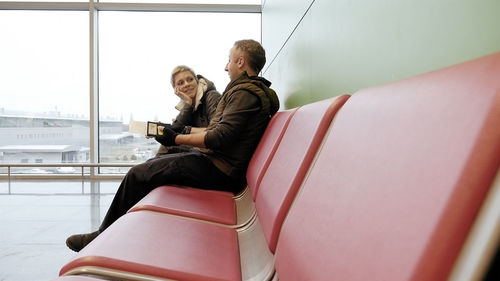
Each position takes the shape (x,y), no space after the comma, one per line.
(184,169)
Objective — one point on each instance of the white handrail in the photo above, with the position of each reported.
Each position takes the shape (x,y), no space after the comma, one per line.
(82,166)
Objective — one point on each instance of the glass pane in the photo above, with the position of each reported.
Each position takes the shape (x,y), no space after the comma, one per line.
(137,54)
(44,85)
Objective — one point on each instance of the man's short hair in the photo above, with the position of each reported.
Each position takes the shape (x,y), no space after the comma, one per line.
(254,53)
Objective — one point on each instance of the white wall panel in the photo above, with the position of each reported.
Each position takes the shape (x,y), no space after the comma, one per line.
(282,16)
(342,46)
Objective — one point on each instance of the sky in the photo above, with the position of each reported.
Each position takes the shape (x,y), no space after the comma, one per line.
(44,59)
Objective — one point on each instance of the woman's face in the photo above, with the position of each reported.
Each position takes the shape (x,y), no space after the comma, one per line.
(185,83)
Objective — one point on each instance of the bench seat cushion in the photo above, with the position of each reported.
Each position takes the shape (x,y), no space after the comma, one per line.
(208,205)
(155,244)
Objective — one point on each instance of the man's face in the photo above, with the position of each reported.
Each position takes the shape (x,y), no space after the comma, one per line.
(235,63)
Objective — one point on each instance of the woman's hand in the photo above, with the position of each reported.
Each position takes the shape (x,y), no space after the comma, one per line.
(183,96)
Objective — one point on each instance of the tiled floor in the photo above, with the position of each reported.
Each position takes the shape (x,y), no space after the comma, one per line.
(36,217)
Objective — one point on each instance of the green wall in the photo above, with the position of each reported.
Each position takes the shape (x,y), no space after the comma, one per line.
(322,48)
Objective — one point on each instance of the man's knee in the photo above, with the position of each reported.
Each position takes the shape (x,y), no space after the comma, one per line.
(138,169)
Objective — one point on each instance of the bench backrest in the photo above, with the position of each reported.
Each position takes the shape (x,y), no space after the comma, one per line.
(266,148)
(399,180)
(291,161)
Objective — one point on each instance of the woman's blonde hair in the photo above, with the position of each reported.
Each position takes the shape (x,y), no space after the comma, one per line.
(178,69)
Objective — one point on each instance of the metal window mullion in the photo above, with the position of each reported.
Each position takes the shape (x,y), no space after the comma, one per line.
(94,87)
(152,7)
(169,7)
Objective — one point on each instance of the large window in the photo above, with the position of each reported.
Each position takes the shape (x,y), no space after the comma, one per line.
(45,65)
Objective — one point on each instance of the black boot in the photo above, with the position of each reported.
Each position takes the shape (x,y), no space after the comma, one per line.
(79,241)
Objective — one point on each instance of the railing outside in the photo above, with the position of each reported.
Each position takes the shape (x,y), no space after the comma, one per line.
(91,172)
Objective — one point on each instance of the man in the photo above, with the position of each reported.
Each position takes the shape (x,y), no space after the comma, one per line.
(224,148)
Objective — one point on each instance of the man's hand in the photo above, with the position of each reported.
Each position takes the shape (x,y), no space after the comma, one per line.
(168,137)
(163,126)
(177,127)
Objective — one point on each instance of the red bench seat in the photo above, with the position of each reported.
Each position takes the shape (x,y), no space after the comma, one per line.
(392,190)
(217,252)
(399,181)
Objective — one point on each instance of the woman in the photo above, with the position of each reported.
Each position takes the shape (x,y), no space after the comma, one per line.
(199,99)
